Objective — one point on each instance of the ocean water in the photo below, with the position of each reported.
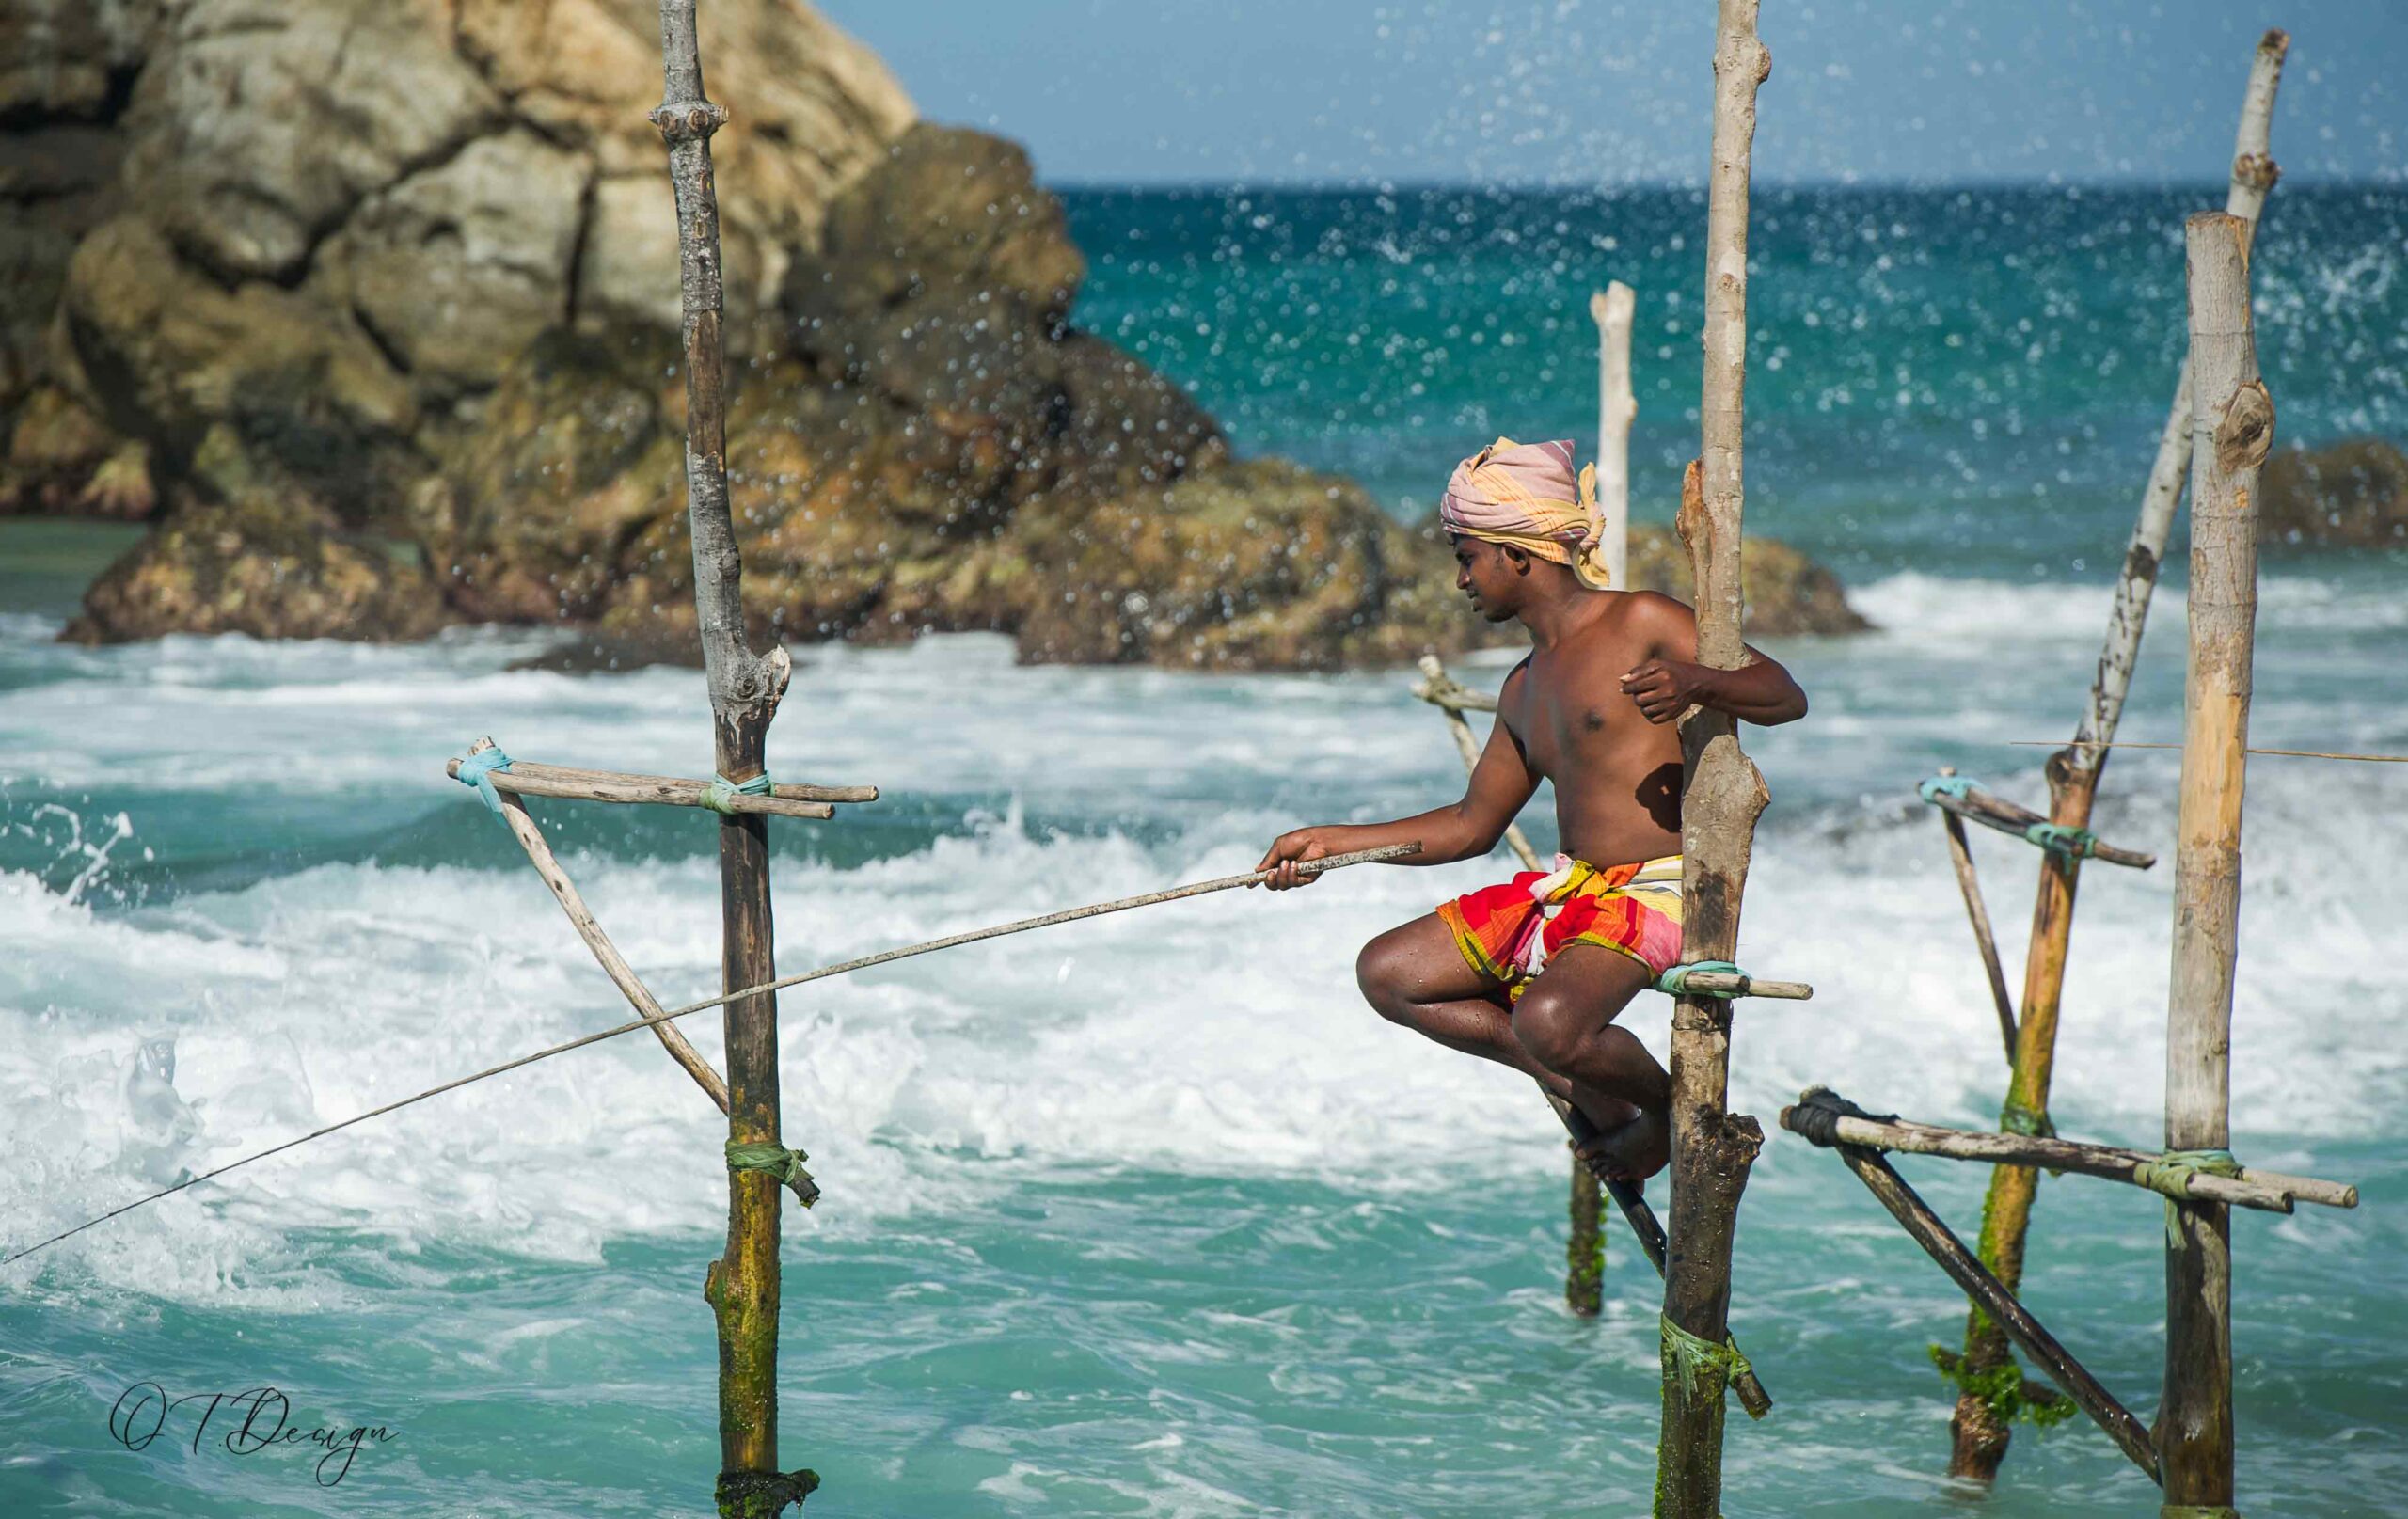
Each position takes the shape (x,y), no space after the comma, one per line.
(1148,1215)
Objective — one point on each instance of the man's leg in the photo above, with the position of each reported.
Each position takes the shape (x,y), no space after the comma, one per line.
(1565,1023)
(1415,976)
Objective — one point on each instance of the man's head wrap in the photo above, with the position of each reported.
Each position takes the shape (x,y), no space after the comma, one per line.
(1525,496)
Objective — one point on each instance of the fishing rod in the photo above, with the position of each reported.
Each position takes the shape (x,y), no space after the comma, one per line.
(1097,909)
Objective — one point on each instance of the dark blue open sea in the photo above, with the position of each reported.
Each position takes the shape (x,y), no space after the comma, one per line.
(1148,1215)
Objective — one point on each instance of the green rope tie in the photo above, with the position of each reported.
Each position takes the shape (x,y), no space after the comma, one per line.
(2065,843)
(777,1161)
(1696,1359)
(2022,1118)
(476,773)
(1947,785)
(721,795)
(2171,1172)
(1675,979)
(764,1495)
(2197,1511)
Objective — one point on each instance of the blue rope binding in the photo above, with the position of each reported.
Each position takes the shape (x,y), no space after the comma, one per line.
(721,794)
(2069,843)
(1675,979)
(476,772)
(1947,785)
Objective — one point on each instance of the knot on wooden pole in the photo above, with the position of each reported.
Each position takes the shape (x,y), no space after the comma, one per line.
(2246,433)
(687,120)
(2259,171)
(764,1495)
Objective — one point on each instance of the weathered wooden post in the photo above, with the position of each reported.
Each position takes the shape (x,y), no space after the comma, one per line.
(745,685)
(2232,428)
(1980,1435)
(1721,795)
(1617,409)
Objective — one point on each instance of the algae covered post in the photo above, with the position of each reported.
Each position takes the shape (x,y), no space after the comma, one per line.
(742,1287)
(1720,798)
(2233,426)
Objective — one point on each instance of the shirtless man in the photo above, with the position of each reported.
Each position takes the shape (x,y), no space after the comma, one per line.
(1533,973)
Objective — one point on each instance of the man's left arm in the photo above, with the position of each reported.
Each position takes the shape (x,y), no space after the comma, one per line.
(1669,681)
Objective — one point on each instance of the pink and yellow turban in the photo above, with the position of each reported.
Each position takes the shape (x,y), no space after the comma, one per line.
(1525,496)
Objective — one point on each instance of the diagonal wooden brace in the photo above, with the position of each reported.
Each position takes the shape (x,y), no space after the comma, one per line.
(615,964)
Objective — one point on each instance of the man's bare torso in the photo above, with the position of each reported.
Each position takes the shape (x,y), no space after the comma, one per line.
(1617,776)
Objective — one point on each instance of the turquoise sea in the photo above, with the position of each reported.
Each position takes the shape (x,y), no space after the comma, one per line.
(1148,1215)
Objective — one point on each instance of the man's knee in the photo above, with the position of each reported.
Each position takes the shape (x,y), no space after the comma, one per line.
(1551,1026)
(1379,971)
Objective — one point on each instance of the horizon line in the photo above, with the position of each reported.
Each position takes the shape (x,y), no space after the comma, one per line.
(2304,181)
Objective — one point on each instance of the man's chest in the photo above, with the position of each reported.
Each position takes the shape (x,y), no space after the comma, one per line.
(1575,721)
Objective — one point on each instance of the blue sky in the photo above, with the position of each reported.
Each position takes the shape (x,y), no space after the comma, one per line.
(1357,92)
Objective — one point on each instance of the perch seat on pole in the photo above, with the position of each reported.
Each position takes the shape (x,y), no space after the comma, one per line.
(2167,1174)
(567,783)
(1965,798)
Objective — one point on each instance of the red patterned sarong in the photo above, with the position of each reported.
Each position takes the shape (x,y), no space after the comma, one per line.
(1509,932)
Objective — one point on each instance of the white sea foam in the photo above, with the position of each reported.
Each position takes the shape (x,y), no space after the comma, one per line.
(1221,1036)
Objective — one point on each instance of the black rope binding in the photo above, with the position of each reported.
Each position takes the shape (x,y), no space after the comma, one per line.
(1819,1112)
(764,1495)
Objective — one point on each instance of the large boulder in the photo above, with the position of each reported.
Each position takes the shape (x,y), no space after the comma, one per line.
(2351,493)
(374,302)
(243,554)
(396,196)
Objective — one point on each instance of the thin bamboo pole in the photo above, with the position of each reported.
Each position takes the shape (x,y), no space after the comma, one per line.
(1968,885)
(743,1285)
(1617,409)
(1435,683)
(580,917)
(1721,796)
(2233,428)
(1980,1436)
(2271,1192)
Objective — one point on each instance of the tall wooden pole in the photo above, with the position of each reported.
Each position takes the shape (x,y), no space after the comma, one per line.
(2232,428)
(745,685)
(1617,409)
(1721,795)
(1980,1435)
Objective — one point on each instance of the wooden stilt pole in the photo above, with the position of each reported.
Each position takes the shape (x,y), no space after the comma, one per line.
(742,1287)
(1617,409)
(1980,1435)
(1960,854)
(1721,795)
(2233,427)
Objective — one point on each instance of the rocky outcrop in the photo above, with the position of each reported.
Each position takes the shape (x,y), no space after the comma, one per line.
(2351,493)
(373,304)
(331,225)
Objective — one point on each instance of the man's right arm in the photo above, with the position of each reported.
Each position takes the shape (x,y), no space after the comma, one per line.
(1500,783)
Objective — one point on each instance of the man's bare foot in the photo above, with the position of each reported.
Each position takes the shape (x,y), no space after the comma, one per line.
(1632,1151)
